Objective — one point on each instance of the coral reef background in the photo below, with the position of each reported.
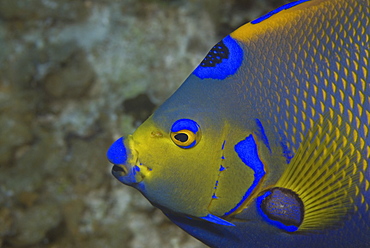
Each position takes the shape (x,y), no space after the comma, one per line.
(74,77)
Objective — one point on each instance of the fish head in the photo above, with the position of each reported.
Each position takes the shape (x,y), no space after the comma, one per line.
(185,164)
(185,157)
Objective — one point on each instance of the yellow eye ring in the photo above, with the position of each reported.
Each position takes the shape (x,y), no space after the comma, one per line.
(185,133)
(184,138)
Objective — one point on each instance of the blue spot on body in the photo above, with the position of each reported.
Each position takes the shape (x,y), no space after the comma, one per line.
(223,145)
(287,153)
(271,13)
(116,153)
(262,135)
(248,153)
(214,196)
(227,64)
(222,168)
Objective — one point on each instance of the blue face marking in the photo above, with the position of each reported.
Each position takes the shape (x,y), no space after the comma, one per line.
(135,169)
(248,153)
(186,124)
(223,60)
(282,208)
(271,13)
(116,153)
(261,134)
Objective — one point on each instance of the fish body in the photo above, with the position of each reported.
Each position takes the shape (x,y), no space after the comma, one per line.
(266,143)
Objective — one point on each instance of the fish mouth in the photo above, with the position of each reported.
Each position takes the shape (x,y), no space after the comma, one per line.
(130,174)
(126,166)
(119,171)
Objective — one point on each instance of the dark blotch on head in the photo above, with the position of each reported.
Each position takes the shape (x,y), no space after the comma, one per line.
(215,55)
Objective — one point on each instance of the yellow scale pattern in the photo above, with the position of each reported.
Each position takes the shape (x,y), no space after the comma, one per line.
(348,85)
(312,70)
(323,172)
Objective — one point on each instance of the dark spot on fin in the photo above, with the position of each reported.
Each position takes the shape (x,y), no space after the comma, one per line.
(261,134)
(275,11)
(282,208)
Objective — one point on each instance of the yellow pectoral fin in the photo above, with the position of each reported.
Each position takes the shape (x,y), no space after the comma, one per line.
(323,173)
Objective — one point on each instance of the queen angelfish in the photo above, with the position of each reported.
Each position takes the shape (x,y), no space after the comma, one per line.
(266,143)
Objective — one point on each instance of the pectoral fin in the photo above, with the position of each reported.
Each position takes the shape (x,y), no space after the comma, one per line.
(317,188)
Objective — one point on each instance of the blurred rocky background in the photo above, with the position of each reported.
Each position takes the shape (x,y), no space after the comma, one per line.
(76,75)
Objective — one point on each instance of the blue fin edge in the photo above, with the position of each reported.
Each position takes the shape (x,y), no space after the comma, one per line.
(275,11)
(217,220)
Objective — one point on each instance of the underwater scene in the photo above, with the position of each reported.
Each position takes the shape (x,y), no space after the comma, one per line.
(74,77)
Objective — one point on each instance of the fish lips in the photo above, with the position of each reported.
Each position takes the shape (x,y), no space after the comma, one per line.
(127,176)
(122,169)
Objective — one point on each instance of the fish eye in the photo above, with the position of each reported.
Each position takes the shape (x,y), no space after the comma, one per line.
(185,133)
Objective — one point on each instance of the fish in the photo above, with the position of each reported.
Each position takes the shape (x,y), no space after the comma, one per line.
(266,143)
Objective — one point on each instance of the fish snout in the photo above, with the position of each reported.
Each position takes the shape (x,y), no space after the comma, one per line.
(118,154)
(126,167)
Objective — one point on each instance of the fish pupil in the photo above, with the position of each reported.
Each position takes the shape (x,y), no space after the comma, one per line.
(182,137)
